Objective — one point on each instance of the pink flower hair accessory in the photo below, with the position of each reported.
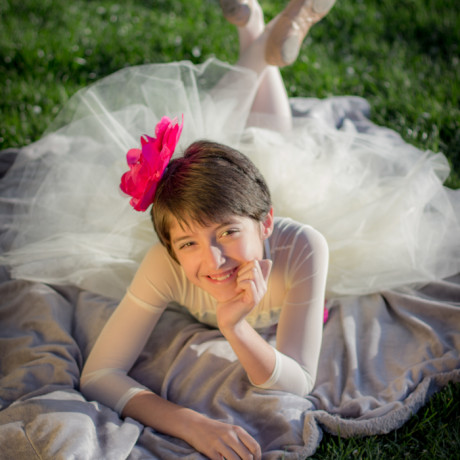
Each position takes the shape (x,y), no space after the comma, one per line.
(147,165)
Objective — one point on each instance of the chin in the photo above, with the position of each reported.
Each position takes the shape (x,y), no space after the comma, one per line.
(223,296)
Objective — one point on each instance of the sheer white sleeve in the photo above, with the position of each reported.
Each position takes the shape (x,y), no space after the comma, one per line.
(300,327)
(105,374)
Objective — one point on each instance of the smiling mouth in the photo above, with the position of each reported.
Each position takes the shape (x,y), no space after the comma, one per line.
(223,276)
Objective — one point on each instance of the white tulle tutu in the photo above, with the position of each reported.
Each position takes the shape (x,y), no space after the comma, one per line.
(379,201)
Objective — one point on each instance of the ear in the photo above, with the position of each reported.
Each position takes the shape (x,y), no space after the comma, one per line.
(267,224)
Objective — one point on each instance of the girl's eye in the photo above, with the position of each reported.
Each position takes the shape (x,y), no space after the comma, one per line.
(229,232)
(186,245)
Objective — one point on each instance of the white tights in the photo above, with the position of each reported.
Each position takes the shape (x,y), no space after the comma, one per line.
(271,97)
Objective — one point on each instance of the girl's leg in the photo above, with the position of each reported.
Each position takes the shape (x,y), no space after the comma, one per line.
(264,49)
(271,98)
(290,27)
(270,108)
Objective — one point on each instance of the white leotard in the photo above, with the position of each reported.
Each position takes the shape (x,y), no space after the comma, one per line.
(294,300)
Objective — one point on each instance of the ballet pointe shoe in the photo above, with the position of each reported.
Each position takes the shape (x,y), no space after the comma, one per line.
(236,11)
(290,27)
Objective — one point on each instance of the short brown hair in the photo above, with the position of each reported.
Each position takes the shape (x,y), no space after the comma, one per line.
(209,183)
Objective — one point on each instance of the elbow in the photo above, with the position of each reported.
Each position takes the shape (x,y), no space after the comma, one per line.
(85,385)
(289,376)
(85,378)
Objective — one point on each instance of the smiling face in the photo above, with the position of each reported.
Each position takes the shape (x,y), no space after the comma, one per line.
(212,255)
(207,184)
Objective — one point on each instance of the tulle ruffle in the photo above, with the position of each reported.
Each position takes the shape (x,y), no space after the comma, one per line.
(378,201)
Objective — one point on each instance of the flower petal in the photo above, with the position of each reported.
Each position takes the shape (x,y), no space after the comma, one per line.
(147,165)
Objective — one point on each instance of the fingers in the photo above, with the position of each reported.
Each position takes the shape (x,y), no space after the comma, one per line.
(251,286)
(252,280)
(251,444)
(256,267)
(217,440)
(240,446)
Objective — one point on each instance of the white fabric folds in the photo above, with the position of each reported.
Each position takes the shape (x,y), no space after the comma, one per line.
(379,202)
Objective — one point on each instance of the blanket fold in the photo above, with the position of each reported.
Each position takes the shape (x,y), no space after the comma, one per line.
(383,356)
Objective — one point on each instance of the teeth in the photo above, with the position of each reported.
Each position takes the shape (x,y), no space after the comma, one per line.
(221,278)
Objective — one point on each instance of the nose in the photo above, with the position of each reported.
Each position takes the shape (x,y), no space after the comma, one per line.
(214,256)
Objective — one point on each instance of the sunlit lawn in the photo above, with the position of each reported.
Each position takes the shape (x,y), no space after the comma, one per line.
(402,56)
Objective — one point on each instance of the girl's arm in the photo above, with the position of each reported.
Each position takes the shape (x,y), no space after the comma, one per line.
(300,328)
(214,439)
(105,379)
(293,365)
(105,376)
(255,355)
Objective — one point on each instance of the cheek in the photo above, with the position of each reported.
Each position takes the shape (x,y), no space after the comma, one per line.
(188,266)
(251,249)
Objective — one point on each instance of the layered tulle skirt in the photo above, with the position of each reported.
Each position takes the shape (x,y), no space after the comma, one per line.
(379,201)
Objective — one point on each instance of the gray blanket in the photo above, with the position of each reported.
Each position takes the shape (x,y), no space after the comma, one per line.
(383,356)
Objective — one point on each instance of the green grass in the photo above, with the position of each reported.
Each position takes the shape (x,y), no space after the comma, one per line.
(433,433)
(402,56)
(403,59)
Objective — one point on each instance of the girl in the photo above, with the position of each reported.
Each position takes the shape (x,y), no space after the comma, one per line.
(225,257)
(379,203)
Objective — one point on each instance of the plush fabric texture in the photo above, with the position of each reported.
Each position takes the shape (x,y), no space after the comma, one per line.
(383,356)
